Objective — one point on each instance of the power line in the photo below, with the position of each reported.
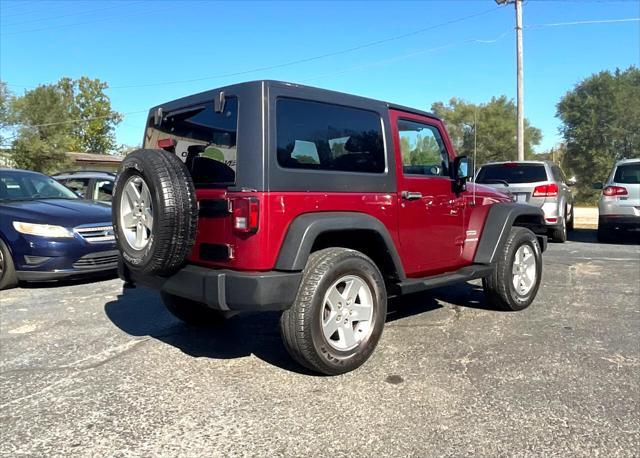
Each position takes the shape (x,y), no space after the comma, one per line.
(313,58)
(72,121)
(407,56)
(393,59)
(602,21)
(77,13)
(102,19)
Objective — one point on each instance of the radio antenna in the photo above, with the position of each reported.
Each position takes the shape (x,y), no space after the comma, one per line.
(475,149)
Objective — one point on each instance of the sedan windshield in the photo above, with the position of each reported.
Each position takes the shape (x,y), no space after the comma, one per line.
(20,185)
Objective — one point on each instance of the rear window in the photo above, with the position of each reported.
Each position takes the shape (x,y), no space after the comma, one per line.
(321,136)
(628,173)
(512,173)
(204,139)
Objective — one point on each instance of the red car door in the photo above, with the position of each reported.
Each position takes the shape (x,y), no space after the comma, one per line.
(431,215)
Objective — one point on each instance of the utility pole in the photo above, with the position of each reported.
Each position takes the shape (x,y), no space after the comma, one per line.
(520,87)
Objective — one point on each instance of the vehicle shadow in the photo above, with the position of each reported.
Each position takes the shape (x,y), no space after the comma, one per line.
(590,236)
(82,280)
(140,312)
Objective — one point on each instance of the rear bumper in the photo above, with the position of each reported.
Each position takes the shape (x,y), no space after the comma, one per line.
(224,289)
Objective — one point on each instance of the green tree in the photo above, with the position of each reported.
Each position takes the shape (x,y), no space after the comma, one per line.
(88,102)
(43,133)
(70,115)
(600,124)
(495,124)
(6,99)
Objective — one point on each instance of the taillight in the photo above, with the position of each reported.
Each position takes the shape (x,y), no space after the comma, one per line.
(546,190)
(246,212)
(167,144)
(615,191)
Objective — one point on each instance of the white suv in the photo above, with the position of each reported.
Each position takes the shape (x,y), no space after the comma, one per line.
(619,205)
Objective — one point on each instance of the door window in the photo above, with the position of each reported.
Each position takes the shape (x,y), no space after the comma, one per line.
(103,190)
(422,148)
(77,185)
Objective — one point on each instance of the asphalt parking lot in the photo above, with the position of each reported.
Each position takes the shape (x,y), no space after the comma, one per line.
(87,369)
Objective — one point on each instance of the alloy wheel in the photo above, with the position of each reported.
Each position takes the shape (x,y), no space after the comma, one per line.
(347,313)
(524,270)
(136,213)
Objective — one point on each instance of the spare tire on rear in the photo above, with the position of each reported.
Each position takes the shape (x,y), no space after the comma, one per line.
(155,212)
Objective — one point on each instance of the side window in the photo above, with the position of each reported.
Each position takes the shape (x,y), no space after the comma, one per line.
(422,148)
(321,136)
(77,185)
(103,190)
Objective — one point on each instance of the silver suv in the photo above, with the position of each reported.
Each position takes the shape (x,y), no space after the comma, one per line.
(539,183)
(619,205)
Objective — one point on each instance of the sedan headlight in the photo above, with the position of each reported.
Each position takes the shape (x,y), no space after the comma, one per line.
(42,230)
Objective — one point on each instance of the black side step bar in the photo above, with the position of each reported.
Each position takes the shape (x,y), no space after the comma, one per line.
(414,285)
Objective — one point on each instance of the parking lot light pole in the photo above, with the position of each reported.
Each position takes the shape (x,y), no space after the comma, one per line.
(520,85)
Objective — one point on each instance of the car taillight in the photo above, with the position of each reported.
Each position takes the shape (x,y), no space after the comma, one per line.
(167,144)
(615,191)
(546,190)
(246,212)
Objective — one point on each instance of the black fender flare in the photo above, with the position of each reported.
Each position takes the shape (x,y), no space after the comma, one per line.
(306,228)
(500,219)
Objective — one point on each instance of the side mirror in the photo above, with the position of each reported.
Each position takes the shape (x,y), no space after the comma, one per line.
(461,172)
(572,181)
(598,186)
(461,168)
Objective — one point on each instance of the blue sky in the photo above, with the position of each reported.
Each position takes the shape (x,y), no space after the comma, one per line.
(146,44)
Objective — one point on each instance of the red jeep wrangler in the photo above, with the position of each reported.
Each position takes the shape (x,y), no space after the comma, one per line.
(274,196)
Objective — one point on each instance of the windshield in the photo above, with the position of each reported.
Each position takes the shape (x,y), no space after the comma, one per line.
(511,172)
(17,185)
(628,174)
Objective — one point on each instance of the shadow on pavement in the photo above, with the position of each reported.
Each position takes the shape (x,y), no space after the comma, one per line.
(71,281)
(590,236)
(140,312)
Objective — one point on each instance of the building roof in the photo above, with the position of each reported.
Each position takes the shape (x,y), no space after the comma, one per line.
(92,157)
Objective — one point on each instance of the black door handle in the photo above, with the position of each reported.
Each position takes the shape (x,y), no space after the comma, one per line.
(411,195)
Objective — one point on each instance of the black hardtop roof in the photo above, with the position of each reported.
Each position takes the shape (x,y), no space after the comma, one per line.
(210,94)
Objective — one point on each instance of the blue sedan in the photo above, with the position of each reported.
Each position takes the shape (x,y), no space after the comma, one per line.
(48,233)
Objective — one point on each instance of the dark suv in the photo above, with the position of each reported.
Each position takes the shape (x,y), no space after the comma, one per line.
(274,196)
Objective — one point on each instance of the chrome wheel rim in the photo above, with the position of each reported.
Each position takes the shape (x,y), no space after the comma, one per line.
(1,264)
(347,313)
(136,213)
(524,270)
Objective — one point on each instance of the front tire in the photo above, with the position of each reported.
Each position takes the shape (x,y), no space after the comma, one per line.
(514,283)
(8,278)
(339,313)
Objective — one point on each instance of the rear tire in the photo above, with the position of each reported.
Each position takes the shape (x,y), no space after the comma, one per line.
(514,283)
(559,234)
(322,330)
(570,221)
(8,278)
(191,312)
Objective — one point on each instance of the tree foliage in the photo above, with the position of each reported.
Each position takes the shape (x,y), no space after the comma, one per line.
(600,125)
(495,123)
(50,120)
